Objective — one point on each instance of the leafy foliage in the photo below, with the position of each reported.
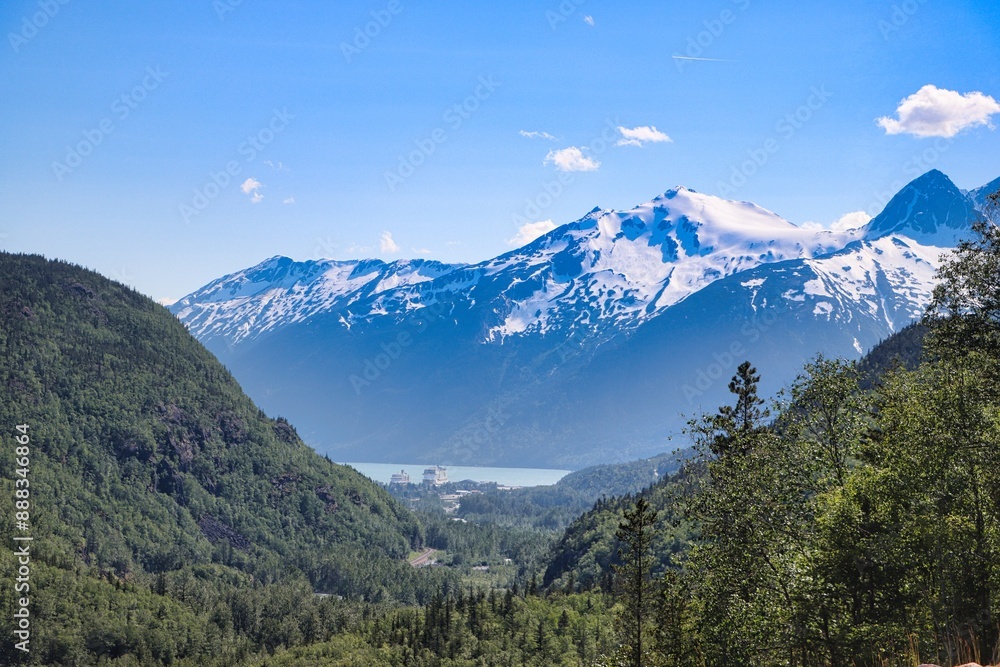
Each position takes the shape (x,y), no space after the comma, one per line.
(965,309)
(861,526)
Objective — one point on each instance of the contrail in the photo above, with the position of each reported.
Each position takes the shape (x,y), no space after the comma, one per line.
(712,60)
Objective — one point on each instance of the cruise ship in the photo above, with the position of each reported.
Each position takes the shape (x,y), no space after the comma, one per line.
(435,475)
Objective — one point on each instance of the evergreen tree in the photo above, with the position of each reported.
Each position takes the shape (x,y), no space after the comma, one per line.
(635,533)
(731,430)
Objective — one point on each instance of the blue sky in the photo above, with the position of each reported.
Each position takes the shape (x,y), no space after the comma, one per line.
(122,119)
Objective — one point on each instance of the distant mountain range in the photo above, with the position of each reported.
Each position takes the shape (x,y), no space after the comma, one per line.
(593,343)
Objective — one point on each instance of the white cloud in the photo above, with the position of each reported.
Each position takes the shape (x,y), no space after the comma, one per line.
(571,159)
(536,135)
(588,19)
(531,231)
(937,112)
(166,301)
(845,223)
(252,187)
(639,136)
(288,200)
(386,244)
(280,166)
(851,220)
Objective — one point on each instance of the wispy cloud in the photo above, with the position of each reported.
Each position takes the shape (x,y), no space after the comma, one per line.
(571,159)
(252,187)
(531,231)
(536,135)
(639,136)
(288,201)
(937,112)
(387,244)
(588,19)
(845,223)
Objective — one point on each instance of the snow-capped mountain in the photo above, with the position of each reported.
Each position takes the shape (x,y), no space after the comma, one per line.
(279,292)
(629,265)
(983,205)
(586,344)
(930,210)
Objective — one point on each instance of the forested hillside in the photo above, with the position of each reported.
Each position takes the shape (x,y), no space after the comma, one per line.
(848,526)
(854,522)
(555,507)
(171,519)
(905,348)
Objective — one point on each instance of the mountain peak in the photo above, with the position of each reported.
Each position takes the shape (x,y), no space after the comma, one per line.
(980,199)
(673,192)
(933,176)
(930,209)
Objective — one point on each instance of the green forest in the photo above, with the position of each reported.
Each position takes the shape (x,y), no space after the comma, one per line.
(853,521)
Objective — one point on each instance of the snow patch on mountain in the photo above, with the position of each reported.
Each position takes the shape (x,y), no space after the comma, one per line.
(624,267)
(280,291)
(611,271)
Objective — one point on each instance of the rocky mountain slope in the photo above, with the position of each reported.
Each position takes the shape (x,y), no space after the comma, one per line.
(592,343)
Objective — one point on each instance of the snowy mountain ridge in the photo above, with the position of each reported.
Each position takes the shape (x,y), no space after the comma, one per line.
(626,266)
(280,291)
(595,342)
